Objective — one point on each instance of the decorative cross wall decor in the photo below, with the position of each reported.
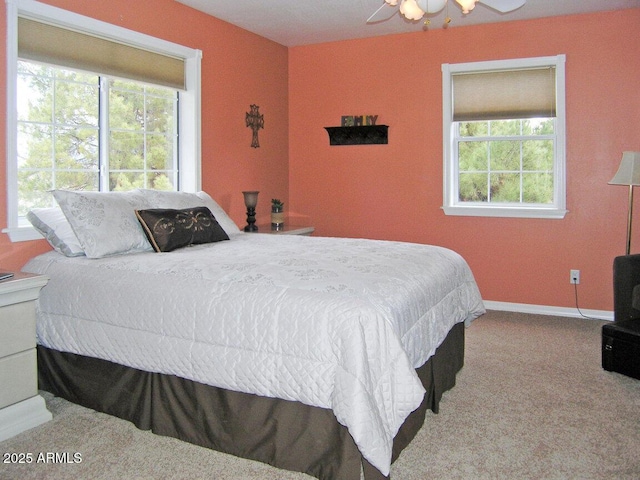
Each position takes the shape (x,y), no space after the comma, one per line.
(255,121)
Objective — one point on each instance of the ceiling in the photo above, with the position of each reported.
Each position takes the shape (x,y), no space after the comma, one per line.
(303,22)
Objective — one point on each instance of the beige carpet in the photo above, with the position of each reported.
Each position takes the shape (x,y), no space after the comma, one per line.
(532,402)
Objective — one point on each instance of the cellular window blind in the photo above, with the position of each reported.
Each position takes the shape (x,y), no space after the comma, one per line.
(64,47)
(507,94)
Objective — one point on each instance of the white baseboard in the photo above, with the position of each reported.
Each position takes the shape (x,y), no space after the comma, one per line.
(547,310)
(22,416)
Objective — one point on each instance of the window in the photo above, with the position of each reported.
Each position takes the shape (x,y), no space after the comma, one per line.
(64,142)
(504,139)
(76,120)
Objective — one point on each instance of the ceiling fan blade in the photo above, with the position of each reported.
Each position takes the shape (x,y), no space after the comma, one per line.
(504,6)
(377,17)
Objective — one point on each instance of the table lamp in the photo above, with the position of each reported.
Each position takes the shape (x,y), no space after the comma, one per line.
(628,174)
(250,201)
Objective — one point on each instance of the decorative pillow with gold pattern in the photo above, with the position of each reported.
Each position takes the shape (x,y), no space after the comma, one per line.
(169,229)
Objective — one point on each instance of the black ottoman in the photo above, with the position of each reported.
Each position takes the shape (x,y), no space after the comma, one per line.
(621,347)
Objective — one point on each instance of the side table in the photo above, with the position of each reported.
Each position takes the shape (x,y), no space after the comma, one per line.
(287,229)
(21,408)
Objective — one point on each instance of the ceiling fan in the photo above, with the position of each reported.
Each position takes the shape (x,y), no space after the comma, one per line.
(416,9)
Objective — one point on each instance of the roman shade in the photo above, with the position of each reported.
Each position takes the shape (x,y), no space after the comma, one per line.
(64,47)
(505,94)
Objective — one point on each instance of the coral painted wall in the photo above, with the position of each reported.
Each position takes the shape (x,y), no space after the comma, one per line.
(238,69)
(394,191)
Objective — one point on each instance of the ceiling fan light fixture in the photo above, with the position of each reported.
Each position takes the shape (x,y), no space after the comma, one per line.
(467,5)
(416,9)
(431,6)
(411,10)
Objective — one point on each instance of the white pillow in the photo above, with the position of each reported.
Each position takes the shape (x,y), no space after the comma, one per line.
(222,217)
(180,200)
(105,222)
(55,227)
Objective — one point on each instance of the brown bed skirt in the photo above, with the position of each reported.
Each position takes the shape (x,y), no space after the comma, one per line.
(285,434)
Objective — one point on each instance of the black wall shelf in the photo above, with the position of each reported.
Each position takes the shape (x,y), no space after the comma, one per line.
(361,135)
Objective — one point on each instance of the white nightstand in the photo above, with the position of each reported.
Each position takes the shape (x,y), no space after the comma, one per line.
(288,229)
(21,408)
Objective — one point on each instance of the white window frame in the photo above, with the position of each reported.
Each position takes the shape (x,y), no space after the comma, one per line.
(451,203)
(189,131)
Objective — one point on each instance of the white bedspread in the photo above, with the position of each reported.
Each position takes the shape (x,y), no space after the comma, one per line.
(333,323)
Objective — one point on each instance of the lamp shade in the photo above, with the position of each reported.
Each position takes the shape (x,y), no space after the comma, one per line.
(467,5)
(250,199)
(629,170)
(411,10)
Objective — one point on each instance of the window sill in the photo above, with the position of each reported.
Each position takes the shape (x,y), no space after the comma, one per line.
(22,234)
(503,211)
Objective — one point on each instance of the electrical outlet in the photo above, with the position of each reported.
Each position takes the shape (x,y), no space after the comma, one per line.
(574,277)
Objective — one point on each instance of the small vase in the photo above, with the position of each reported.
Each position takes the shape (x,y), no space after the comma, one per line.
(277,219)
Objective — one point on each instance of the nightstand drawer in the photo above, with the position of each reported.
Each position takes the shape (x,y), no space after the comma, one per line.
(17,328)
(18,377)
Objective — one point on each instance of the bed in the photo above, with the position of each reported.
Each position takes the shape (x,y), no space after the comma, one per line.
(313,354)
